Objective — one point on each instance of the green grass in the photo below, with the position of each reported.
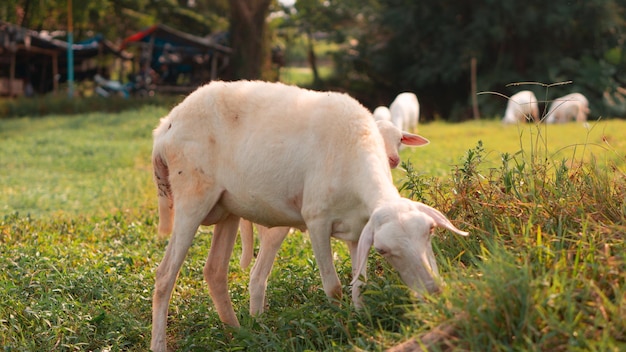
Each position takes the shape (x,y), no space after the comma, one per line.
(303,76)
(543,268)
(90,163)
(555,142)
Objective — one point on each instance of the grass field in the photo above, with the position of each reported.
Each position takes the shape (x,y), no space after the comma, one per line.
(543,269)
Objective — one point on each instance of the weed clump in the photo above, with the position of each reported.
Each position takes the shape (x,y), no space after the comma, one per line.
(543,268)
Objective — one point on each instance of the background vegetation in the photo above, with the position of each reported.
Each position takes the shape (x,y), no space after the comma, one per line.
(383,47)
(543,269)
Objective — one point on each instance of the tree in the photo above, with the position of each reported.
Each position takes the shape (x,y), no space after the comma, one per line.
(428,47)
(248,38)
(336,19)
(118,18)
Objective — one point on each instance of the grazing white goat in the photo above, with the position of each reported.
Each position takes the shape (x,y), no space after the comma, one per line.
(382,113)
(574,106)
(392,138)
(319,163)
(522,106)
(405,111)
(270,239)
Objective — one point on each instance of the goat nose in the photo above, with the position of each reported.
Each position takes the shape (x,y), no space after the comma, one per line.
(393,162)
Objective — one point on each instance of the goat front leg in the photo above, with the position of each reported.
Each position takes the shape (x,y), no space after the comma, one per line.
(216,268)
(357,300)
(270,240)
(319,233)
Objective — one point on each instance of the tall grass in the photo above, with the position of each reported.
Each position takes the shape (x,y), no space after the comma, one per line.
(543,268)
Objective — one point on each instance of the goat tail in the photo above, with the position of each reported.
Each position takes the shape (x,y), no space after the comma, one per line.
(166,202)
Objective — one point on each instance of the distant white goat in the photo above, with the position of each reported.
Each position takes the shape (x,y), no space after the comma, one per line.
(574,106)
(319,163)
(270,239)
(393,138)
(405,111)
(382,113)
(522,106)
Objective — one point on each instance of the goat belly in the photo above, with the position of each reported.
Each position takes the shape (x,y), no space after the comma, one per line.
(260,211)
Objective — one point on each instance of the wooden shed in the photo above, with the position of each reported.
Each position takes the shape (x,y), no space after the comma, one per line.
(181,61)
(34,63)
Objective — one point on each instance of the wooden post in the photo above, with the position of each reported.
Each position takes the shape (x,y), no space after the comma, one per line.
(474,90)
(70,51)
(12,72)
(99,63)
(55,71)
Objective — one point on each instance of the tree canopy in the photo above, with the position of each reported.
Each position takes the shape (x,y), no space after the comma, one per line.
(118,18)
(389,46)
(427,47)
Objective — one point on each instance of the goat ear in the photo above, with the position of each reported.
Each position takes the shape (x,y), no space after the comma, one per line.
(440,219)
(413,139)
(363,249)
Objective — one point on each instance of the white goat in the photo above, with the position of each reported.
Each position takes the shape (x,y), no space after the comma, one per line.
(522,106)
(319,163)
(574,106)
(382,113)
(405,111)
(270,239)
(392,138)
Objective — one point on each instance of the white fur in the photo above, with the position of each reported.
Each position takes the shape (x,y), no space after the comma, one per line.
(270,239)
(393,138)
(405,111)
(279,155)
(382,113)
(567,108)
(522,106)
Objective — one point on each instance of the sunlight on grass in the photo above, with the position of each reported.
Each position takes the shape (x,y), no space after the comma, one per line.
(302,76)
(448,142)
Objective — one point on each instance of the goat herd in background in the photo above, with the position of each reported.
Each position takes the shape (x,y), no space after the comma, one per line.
(237,153)
(524,106)
(521,107)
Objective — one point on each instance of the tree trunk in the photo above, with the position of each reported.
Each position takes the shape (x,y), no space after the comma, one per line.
(247,38)
(312,58)
(26,12)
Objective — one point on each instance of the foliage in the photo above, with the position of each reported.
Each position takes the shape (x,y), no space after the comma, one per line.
(117,18)
(335,20)
(427,47)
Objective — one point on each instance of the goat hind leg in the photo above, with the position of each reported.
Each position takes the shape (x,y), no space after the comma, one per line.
(188,216)
(216,268)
